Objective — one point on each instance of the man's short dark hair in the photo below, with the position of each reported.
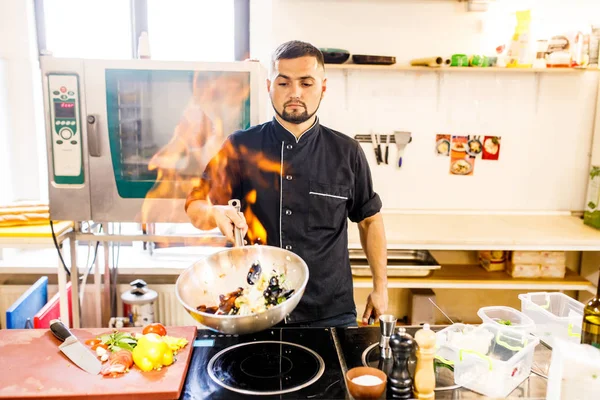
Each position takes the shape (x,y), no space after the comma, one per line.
(296,49)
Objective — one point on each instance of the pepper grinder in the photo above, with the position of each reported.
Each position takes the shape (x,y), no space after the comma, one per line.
(424,371)
(387,322)
(400,383)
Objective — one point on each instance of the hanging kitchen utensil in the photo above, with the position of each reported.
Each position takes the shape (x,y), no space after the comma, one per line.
(375,148)
(387,148)
(225,271)
(402,139)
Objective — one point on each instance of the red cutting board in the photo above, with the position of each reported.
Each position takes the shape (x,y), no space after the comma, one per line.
(32,366)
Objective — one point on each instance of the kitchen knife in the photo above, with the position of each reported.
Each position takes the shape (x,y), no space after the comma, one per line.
(387,148)
(74,349)
(374,141)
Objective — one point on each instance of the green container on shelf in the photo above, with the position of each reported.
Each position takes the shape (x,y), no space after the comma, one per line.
(591,215)
(459,60)
(479,61)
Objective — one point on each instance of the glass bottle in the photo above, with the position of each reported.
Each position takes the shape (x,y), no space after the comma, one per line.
(590,330)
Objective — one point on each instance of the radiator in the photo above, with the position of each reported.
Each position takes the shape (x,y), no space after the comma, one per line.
(167,309)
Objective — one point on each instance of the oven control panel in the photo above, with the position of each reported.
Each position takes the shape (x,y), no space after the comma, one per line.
(65,136)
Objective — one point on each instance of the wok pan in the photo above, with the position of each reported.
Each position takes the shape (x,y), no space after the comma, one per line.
(225,271)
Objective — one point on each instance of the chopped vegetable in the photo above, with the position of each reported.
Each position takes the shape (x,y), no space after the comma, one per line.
(174,343)
(157,328)
(152,352)
(504,322)
(101,351)
(93,342)
(119,341)
(118,363)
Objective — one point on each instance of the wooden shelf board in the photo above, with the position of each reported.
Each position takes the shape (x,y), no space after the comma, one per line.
(399,67)
(475,277)
(484,232)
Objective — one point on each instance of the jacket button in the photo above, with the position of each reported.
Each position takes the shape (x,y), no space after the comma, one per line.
(288,212)
(289,147)
(288,177)
(288,247)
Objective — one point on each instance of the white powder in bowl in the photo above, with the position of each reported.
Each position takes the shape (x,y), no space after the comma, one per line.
(367,380)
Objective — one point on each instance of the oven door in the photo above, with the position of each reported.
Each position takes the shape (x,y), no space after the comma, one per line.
(152,128)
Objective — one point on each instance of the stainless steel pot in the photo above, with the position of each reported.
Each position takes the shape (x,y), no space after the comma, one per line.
(225,271)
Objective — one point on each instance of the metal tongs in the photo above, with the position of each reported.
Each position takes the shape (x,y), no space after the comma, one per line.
(237,232)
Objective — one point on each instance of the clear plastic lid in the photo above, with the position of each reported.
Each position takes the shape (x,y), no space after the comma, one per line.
(506,316)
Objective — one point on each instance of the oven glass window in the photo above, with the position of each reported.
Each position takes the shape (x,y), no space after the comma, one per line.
(165,126)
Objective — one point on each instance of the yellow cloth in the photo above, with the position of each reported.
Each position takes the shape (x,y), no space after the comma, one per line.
(24,213)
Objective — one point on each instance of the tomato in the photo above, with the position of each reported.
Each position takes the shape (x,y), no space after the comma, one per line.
(103,345)
(157,328)
(93,343)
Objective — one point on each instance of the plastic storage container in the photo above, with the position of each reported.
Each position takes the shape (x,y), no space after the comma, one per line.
(555,315)
(451,339)
(504,315)
(499,370)
(574,372)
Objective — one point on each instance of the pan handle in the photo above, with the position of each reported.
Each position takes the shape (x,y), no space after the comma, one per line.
(237,232)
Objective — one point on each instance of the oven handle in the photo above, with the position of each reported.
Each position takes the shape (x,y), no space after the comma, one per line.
(93,138)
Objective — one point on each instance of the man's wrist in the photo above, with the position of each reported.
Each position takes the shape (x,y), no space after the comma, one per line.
(380,284)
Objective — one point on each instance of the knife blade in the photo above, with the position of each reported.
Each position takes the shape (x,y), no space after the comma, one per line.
(74,349)
(387,148)
(374,141)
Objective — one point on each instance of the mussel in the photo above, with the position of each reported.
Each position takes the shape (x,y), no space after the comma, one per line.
(254,273)
(208,310)
(226,303)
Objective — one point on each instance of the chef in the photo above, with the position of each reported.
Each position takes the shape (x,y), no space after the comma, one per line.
(302,181)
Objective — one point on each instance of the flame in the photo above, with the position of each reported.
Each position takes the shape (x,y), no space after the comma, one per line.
(211,114)
(257,233)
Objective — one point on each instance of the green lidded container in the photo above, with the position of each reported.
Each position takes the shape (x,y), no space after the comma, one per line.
(591,216)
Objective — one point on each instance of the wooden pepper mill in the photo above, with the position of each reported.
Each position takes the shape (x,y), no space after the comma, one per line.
(425,371)
(399,380)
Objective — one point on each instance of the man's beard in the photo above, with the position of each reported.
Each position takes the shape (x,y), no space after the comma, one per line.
(295,118)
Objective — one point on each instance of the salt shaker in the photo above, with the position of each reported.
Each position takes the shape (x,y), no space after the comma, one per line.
(400,383)
(424,371)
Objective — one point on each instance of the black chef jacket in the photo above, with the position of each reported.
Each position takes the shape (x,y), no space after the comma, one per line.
(302,191)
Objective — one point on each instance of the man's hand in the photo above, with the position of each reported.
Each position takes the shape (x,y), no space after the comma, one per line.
(377,304)
(226,218)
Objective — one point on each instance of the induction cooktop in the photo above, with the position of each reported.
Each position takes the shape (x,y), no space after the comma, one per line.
(282,363)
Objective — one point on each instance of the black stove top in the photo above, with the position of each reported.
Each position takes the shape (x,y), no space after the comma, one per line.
(287,363)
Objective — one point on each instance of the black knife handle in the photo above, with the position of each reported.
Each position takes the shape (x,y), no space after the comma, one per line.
(60,330)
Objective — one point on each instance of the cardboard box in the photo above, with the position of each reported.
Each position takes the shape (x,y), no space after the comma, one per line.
(420,308)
